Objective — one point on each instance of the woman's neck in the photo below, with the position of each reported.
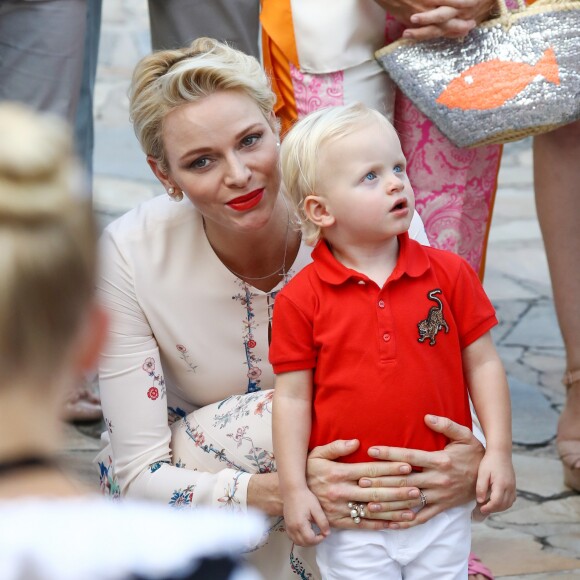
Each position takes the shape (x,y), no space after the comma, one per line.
(260,257)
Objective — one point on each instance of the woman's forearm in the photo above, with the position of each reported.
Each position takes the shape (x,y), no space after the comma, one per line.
(264,494)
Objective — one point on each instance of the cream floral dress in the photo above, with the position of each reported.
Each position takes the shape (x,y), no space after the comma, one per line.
(185,380)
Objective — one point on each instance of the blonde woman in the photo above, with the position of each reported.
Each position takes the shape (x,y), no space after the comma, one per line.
(189,281)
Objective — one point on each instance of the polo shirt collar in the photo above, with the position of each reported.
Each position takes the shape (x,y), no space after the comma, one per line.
(412,261)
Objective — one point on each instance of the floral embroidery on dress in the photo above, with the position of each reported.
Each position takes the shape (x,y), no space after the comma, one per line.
(184,356)
(298,567)
(155,466)
(154,391)
(175,414)
(249,325)
(179,463)
(109,425)
(265,406)
(108,481)
(229,500)
(260,458)
(182,497)
(196,435)
(245,404)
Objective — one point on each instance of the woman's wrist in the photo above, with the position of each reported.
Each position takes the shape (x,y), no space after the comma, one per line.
(264,494)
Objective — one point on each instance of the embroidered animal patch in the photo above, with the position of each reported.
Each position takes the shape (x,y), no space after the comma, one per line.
(434,322)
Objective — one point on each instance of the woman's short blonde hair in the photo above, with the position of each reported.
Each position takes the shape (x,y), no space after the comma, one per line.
(165,80)
(300,153)
(48,238)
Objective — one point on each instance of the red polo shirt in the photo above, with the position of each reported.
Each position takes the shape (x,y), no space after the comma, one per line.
(375,374)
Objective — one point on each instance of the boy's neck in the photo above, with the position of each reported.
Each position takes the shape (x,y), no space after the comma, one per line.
(376,261)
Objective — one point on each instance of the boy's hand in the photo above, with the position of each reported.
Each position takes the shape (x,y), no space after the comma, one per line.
(496,483)
(301,510)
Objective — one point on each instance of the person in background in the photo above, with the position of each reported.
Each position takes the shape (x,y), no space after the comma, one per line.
(556,175)
(51,331)
(51,71)
(321,54)
(176,23)
(189,281)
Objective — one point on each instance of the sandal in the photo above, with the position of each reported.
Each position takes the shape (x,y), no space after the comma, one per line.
(569,447)
(475,566)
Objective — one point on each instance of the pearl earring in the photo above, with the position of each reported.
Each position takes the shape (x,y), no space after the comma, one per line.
(174,195)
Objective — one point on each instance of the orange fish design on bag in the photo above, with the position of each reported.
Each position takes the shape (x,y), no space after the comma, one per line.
(472,90)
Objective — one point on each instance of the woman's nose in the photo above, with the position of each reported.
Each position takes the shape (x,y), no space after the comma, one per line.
(237,173)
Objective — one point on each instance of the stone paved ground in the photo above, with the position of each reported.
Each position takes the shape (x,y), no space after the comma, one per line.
(539,538)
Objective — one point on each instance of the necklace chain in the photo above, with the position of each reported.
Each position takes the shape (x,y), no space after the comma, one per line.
(280,270)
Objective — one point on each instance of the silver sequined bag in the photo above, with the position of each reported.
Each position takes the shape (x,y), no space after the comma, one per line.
(510,77)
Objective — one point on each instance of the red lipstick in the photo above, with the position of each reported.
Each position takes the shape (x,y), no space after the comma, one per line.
(248,201)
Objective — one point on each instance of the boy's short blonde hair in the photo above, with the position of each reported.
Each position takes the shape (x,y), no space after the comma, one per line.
(48,239)
(300,153)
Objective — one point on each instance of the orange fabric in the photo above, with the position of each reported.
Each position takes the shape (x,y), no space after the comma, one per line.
(278,53)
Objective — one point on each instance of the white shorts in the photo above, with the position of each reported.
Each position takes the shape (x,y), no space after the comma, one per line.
(437,549)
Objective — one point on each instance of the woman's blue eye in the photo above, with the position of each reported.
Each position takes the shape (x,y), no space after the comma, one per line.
(200,163)
(370,176)
(250,140)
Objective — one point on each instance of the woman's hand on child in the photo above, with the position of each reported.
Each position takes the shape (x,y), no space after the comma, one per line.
(336,484)
(448,478)
(301,511)
(496,483)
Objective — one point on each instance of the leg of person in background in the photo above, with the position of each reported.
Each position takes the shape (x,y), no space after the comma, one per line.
(84,122)
(83,404)
(556,177)
(175,23)
(40,65)
(43,68)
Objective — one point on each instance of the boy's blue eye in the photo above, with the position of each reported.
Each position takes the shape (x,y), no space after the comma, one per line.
(370,176)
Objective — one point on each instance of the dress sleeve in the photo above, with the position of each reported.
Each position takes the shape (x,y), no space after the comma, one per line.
(133,394)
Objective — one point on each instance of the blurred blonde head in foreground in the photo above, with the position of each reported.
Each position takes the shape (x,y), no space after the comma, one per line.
(47,263)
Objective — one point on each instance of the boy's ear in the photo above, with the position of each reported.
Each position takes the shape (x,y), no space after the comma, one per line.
(317,212)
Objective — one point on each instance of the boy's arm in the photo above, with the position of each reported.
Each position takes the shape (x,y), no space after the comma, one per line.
(489,392)
(291,420)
